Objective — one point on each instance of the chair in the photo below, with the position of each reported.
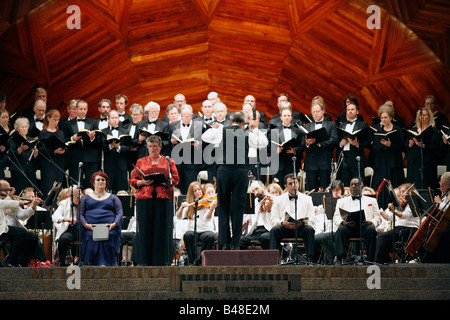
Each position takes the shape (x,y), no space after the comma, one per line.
(4,249)
(368,173)
(300,248)
(353,249)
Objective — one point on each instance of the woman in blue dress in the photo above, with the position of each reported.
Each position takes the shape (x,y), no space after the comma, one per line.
(100,207)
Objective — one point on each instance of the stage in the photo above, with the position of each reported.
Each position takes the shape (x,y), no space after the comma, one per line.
(246,282)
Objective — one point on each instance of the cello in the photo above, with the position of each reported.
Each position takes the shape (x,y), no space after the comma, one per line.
(432,220)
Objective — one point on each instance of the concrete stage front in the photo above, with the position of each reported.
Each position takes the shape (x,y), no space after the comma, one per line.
(289,282)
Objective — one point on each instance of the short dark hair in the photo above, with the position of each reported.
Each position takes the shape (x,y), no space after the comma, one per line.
(237,117)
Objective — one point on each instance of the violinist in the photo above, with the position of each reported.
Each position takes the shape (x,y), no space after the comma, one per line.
(406,224)
(24,242)
(259,228)
(200,228)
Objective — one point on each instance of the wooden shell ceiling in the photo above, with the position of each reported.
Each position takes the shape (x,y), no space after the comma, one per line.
(151,50)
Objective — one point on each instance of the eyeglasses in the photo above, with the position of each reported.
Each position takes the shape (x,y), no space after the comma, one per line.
(100,179)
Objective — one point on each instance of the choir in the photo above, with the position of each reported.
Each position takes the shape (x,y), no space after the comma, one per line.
(292,155)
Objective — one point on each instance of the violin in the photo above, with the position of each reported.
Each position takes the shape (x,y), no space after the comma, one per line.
(264,201)
(205,201)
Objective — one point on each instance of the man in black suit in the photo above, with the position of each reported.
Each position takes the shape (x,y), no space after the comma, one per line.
(283,133)
(188,156)
(232,176)
(121,101)
(36,119)
(86,148)
(319,155)
(115,154)
(351,149)
(152,125)
(104,107)
(283,102)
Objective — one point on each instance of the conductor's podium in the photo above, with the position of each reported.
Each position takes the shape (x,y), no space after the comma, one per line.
(240,257)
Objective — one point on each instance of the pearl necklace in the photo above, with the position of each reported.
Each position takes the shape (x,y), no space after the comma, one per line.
(100,195)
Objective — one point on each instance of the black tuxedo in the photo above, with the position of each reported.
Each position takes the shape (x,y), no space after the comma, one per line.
(86,151)
(319,156)
(285,162)
(188,165)
(160,126)
(115,161)
(349,166)
(232,184)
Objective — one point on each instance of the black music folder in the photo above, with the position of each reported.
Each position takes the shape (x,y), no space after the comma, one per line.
(291,143)
(360,133)
(352,216)
(320,135)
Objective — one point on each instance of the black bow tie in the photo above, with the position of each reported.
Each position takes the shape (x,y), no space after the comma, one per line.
(355,198)
(286,127)
(39,120)
(103,119)
(152,122)
(114,128)
(210,119)
(351,121)
(318,122)
(81,119)
(186,125)
(292,197)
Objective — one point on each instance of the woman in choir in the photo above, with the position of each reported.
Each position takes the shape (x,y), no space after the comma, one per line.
(5,129)
(154,206)
(51,151)
(22,158)
(101,207)
(422,146)
(203,229)
(386,153)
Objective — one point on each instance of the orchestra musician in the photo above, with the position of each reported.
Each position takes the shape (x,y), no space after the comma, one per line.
(200,228)
(153,205)
(441,253)
(64,220)
(15,219)
(346,228)
(406,224)
(283,217)
(259,227)
(23,243)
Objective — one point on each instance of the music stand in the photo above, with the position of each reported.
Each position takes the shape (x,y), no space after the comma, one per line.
(41,220)
(329,205)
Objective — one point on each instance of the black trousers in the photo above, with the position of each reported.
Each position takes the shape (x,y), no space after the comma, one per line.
(316,179)
(343,233)
(260,234)
(305,232)
(154,229)
(232,184)
(385,242)
(63,243)
(23,245)
(207,238)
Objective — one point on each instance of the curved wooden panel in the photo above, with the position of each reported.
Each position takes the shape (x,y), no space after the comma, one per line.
(153,49)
